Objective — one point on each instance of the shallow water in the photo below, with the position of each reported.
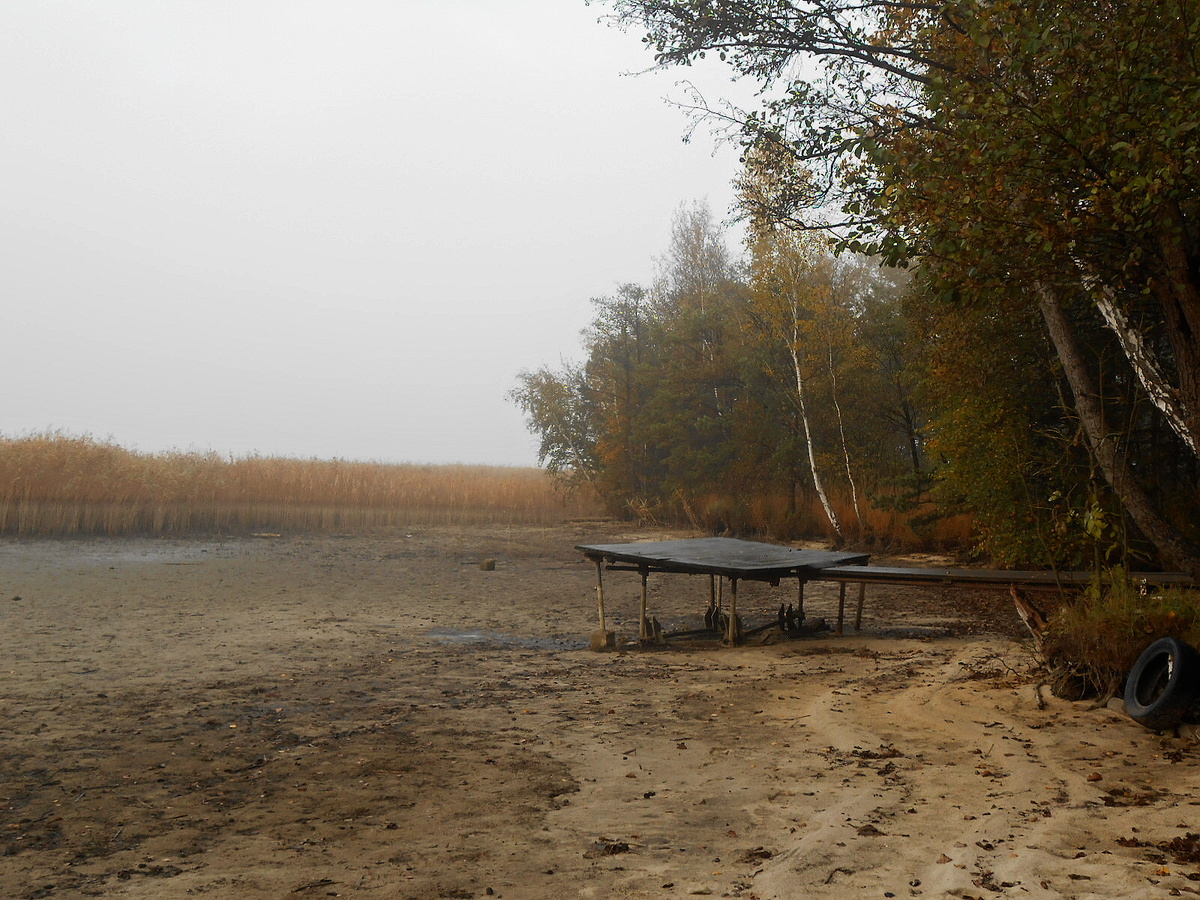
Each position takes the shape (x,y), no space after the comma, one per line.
(119,550)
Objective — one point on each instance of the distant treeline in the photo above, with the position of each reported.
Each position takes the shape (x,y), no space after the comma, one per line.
(55,484)
(798,394)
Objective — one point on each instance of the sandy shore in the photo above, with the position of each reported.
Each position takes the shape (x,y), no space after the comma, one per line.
(380,717)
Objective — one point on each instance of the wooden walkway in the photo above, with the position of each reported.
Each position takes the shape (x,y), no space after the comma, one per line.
(716,557)
(755,561)
(730,557)
(1002,579)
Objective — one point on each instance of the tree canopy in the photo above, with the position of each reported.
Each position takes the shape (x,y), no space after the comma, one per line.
(1035,160)
(727,395)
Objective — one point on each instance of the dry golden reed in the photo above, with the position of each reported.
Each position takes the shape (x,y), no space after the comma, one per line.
(54,484)
(882,530)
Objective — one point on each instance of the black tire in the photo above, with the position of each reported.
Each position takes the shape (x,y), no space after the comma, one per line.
(1163,684)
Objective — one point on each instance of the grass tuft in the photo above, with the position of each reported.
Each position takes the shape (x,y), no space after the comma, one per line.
(1098,636)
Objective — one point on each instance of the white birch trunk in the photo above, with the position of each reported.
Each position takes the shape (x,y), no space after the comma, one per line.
(1152,378)
(842,434)
(808,439)
(1175,548)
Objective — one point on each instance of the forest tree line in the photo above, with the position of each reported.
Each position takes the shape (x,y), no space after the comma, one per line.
(1031,169)
(734,395)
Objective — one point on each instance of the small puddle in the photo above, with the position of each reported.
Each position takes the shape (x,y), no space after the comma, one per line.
(114,551)
(498,640)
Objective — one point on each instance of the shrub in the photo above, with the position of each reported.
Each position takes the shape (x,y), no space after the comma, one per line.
(1094,640)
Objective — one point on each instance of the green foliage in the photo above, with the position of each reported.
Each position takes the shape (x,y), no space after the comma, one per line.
(997,425)
(1017,150)
(1017,184)
(686,407)
(558,407)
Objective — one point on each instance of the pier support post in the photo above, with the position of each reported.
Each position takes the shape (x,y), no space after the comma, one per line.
(602,639)
(841,605)
(732,631)
(644,630)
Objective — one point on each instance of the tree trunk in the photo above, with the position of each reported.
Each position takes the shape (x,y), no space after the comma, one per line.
(837,406)
(1180,301)
(1033,617)
(1149,374)
(808,439)
(1176,550)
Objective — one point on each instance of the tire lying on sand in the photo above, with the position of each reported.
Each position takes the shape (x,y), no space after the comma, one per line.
(1163,684)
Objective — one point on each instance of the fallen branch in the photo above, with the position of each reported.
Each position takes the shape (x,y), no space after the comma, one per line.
(1031,616)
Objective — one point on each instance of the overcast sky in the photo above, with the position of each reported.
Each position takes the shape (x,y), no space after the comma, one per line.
(330,229)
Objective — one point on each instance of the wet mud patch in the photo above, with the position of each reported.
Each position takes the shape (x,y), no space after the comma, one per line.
(312,774)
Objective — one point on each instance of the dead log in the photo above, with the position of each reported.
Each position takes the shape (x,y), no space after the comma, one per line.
(1031,616)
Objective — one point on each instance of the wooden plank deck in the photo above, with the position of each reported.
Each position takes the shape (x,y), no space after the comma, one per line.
(716,557)
(1001,579)
(728,557)
(756,561)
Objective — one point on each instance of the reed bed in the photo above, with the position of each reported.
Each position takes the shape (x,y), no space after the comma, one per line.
(53,484)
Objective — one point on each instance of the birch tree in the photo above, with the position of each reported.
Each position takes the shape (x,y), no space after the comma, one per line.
(783,300)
